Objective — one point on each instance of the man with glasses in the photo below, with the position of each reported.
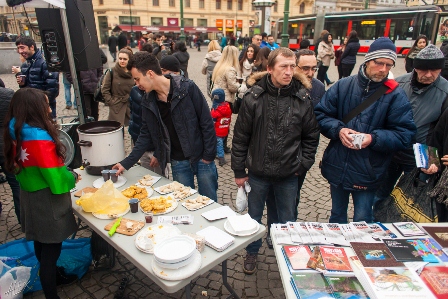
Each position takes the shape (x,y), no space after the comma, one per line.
(275,137)
(387,126)
(427,92)
(307,65)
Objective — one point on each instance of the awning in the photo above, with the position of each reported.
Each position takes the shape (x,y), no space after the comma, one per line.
(155,28)
(127,28)
(202,29)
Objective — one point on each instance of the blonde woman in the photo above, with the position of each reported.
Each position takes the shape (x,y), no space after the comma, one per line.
(209,62)
(225,77)
(325,54)
(116,89)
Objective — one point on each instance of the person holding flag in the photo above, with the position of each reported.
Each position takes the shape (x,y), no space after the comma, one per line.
(35,154)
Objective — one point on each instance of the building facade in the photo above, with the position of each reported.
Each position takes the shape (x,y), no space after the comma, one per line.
(210,19)
(16,21)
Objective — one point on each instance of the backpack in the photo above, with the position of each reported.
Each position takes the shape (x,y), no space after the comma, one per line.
(98,95)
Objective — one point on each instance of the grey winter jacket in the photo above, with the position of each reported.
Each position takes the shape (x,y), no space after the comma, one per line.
(208,64)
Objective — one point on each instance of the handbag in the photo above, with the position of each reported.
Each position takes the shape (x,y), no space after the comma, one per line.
(98,94)
(409,201)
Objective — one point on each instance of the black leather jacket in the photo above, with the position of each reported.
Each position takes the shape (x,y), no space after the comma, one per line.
(276,133)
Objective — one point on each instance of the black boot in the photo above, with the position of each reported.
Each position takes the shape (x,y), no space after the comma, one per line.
(227,149)
(64,279)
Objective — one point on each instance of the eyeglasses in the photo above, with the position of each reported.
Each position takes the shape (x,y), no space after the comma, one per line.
(381,64)
(308,68)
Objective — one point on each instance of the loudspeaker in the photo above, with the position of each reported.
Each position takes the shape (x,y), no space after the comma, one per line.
(83,36)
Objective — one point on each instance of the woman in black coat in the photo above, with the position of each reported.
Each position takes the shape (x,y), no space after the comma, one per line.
(182,55)
(348,58)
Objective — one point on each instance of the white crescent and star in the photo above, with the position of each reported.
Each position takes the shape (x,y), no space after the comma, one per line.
(23,155)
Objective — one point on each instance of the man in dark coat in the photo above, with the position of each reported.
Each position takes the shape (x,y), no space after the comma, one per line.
(387,127)
(122,40)
(275,138)
(112,42)
(176,122)
(5,99)
(35,71)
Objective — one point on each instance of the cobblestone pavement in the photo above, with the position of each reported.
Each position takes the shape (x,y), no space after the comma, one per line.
(315,205)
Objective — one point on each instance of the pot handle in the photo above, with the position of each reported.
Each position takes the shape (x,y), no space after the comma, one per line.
(84,143)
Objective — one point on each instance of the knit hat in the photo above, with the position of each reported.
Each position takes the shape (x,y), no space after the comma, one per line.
(218,95)
(170,63)
(429,58)
(382,47)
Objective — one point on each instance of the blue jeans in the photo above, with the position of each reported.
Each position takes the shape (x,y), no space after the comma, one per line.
(68,92)
(15,188)
(207,176)
(390,179)
(285,192)
(220,147)
(362,202)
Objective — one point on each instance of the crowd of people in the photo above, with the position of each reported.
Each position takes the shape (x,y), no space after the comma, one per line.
(281,106)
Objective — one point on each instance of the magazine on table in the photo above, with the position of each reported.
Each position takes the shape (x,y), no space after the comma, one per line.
(410,250)
(439,233)
(335,258)
(296,257)
(408,229)
(316,231)
(375,255)
(333,234)
(436,279)
(311,285)
(346,287)
(378,233)
(299,233)
(362,231)
(435,249)
(281,233)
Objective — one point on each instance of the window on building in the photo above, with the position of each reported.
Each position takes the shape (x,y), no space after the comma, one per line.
(187,3)
(302,8)
(252,7)
(275,7)
(201,4)
(172,3)
(229,4)
(218,4)
(101,2)
(188,22)
(127,2)
(157,21)
(240,4)
(202,22)
(127,20)
(155,2)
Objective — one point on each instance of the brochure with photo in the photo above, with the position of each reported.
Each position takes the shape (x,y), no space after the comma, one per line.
(408,229)
(436,279)
(297,256)
(439,233)
(435,249)
(425,155)
(311,286)
(346,287)
(335,258)
(375,255)
(403,250)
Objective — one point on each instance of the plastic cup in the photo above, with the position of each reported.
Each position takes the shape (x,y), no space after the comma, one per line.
(105,174)
(133,203)
(148,217)
(113,175)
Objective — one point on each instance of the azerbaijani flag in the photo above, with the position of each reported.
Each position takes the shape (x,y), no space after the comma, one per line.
(42,168)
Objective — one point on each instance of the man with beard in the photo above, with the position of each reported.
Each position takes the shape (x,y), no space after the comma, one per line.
(387,126)
(427,92)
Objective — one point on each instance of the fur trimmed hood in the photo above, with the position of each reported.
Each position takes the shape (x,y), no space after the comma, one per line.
(298,76)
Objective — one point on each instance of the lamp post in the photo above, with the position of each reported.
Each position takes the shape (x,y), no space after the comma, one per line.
(182,34)
(285,35)
(132,31)
(264,4)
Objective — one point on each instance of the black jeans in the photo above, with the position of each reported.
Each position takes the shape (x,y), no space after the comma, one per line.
(347,69)
(48,254)
(271,213)
(15,187)
(321,73)
(340,71)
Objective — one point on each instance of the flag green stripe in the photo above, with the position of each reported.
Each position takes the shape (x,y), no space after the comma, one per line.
(58,179)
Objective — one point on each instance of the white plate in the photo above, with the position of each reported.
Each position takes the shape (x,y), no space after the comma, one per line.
(192,191)
(175,265)
(195,209)
(230,230)
(170,209)
(154,180)
(107,216)
(181,273)
(175,249)
(159,233)
(98,183)
(149,190)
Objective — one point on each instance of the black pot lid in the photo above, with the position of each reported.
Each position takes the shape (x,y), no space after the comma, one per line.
(98,127)
(69,147)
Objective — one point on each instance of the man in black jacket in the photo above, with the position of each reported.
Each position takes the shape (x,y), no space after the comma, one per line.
(275,137)
(112,42)
(122,41)
(177,124)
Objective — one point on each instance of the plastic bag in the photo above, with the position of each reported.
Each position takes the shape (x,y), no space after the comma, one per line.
(241,197)
(13,281)
(106,200)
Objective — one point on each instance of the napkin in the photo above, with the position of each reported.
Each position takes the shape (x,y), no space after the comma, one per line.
(216,238)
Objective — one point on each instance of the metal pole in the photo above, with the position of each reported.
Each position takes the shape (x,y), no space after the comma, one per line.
(285,35)
(132,31)
(71,62)
(263,16)
(182,35)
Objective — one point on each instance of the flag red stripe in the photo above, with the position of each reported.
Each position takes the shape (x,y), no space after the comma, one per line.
(41,153)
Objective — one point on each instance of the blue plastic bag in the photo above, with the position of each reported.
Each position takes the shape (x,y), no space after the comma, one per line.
(76,258)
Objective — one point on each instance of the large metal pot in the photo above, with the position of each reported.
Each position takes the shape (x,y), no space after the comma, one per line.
(102,145)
